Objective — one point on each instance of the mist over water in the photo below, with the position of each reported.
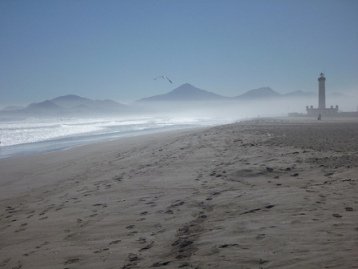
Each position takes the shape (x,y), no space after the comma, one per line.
(49,132)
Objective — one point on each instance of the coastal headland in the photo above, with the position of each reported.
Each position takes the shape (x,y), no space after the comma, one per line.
(265,193)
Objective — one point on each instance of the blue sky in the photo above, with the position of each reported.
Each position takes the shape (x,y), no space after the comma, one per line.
(114,49)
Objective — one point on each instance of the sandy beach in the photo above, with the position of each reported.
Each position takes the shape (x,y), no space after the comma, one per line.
(257,194)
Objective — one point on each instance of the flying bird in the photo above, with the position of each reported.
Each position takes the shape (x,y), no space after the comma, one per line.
(164,77)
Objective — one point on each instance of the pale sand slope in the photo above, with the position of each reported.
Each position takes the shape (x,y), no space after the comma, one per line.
(255,195)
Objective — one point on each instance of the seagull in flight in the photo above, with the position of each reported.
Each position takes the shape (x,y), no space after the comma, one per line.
(164,77)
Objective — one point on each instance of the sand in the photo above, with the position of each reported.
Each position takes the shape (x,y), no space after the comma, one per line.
(259,194)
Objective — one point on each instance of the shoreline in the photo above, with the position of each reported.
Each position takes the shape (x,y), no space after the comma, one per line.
(267,193)
(65,143)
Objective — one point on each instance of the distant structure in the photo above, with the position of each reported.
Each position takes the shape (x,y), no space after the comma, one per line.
(321,110)
(321,92)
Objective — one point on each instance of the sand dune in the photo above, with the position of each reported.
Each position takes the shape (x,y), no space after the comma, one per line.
(259,194)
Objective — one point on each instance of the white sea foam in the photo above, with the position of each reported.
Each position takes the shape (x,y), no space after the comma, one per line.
(29,131)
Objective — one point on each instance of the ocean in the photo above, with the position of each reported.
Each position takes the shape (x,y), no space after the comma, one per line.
(23,137)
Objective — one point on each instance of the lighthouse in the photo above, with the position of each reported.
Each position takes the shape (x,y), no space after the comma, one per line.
(322,110)
(321,92)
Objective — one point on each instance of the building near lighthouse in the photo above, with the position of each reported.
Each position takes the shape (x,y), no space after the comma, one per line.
(322,110)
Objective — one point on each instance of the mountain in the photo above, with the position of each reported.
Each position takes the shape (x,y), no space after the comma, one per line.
(185,92)
(69,101)
(69,105)
(267,92)
(43,107)
(78,104)
(264,92)
(299,94)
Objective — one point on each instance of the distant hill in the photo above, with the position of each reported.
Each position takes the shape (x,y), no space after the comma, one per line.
(68,105)
(264,92)
(43,107)
(70,101)
(299,94)
(267,92)
(185,92)
(78,104)
(189,93)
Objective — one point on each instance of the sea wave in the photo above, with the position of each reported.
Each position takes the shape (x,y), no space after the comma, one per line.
(38,130)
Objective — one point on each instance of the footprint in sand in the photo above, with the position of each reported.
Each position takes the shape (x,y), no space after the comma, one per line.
(43,244)
(71,261)
(169,211)
(228,245)
(142,240)
(159,264)
(59,208)
(114,242)
(21,228)
(133,259)
(148,246)
(132,233)
(98,251)
(103,205)
(260,236)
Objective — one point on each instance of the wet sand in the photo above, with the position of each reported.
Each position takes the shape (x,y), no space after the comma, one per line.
(259,194)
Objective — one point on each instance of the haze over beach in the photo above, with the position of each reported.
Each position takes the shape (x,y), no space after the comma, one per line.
(178,134)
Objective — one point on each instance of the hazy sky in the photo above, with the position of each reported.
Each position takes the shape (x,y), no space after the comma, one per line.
(114,49)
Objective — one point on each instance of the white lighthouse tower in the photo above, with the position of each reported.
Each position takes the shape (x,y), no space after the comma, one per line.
(322,110)
(321,92)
